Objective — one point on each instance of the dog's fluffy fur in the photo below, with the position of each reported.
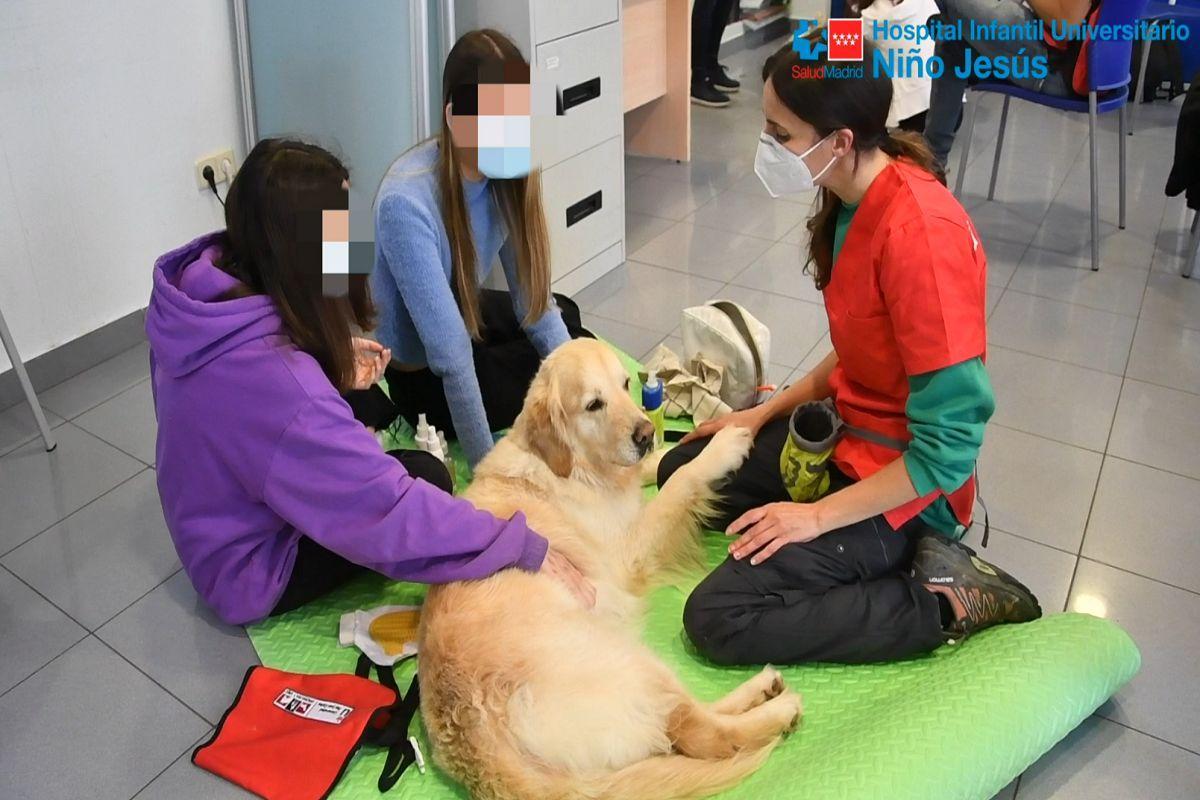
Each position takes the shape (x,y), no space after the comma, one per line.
(528,695)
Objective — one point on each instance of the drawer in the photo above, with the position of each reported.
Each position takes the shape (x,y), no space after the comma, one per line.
(586,69)
(554,19)
(584,200)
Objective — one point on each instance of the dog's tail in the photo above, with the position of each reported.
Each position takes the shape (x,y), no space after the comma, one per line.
(673,777)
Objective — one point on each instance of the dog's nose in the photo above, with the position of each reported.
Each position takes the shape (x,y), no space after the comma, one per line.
(643,436)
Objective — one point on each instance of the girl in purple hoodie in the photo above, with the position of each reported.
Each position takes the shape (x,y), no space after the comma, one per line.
(273,492)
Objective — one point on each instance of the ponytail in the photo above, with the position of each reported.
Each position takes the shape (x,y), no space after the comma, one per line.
(912,147)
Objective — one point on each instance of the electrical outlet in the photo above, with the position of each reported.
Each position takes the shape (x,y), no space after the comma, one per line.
(216,161)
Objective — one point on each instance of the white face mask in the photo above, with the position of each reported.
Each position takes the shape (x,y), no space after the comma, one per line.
(784,172)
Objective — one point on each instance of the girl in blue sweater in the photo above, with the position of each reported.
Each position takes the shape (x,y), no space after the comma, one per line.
(464,356)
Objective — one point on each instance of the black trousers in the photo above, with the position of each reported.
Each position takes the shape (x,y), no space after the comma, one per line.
(709,18)
(505,363)
(318,571)
(843,597)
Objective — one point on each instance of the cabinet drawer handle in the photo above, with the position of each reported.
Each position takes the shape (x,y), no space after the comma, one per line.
(578,94)
(585,208)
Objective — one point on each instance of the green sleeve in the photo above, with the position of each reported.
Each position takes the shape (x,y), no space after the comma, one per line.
(947,411)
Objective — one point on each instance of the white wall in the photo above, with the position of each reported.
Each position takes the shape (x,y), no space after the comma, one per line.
(104,107)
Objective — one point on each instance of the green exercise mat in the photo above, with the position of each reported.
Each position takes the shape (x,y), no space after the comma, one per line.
(958,724)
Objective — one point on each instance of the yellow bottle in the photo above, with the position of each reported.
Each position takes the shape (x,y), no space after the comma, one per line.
(652,402)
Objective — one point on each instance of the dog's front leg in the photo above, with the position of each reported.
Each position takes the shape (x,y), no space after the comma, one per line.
(663,535)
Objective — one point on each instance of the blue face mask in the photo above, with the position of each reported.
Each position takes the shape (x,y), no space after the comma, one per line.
(504,146)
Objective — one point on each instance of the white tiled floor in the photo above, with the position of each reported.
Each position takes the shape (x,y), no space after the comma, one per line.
(111,671)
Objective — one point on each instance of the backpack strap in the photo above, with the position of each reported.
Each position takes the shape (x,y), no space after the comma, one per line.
(734,312)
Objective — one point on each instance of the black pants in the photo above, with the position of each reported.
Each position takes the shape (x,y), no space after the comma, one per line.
(843,597)
(318,571)
(505,363)
(709,18)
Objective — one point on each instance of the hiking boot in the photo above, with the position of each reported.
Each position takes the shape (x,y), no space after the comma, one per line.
(704,94)
(722,82)
(982,595)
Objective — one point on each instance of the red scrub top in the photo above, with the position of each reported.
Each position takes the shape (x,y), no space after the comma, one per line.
(907,296)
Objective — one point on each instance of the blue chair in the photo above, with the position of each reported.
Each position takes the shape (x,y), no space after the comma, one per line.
(1108,73)
(1156,13)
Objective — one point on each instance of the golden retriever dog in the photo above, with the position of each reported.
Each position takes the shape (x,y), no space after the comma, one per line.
(529,695)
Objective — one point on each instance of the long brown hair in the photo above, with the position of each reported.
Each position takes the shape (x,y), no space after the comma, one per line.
(273,246)
(831,104)
(484,56)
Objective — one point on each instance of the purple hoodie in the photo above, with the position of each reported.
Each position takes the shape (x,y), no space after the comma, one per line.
(256,447)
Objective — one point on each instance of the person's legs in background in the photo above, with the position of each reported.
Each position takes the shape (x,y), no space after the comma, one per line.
(706,42)
(945,99)
(722,11)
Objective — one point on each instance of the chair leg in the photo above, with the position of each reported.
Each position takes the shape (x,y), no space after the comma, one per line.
(972,107)
(999,148)
(23,376)
(1193,247)
(1092,115)
(1121,147)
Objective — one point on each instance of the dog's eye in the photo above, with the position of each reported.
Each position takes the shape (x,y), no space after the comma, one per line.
(595,405)
(627,384)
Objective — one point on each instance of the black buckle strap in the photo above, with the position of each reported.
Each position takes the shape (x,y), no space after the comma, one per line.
(389,728)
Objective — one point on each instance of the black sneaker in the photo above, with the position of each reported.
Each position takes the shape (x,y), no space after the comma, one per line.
(704,94)
(989,594)
(722,82)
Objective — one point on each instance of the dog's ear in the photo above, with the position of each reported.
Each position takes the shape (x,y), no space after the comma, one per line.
(543,422)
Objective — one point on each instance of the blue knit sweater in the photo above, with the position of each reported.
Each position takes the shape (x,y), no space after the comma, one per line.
(418,315)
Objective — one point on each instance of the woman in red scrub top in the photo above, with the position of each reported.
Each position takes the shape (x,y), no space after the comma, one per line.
(873,570)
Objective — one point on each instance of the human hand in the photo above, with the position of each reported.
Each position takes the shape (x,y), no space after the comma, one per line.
(370,360)
(767,528)
(751,418)
(560,568)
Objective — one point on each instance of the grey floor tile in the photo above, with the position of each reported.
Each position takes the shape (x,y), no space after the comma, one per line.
(1046,274)
(183,780)
(1172,300)
(780,270)
(816,355)
(1166,354)
(1037,488)
(34,631)
(645,295)
(795,325)
(1045,571)
(633,339)
(749,215)
(1007,793)
(1069,234)
(651,194)
(172,636)
(640,165)
(102,558)
(672,343)
(1145,521)
(1162,622)
(1159,427)
(126,421)
(106,380)
(798,235)
(718,174)
(999,222)
(89,725)
(1052,399)
(704,252)
(1053,329)
(37,489)
(1101,760)
(1002,260)
(17,426)
(640,229)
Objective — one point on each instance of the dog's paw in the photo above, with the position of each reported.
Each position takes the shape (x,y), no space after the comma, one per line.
(726,452)
(648,469)
(774,683)
(794,710)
